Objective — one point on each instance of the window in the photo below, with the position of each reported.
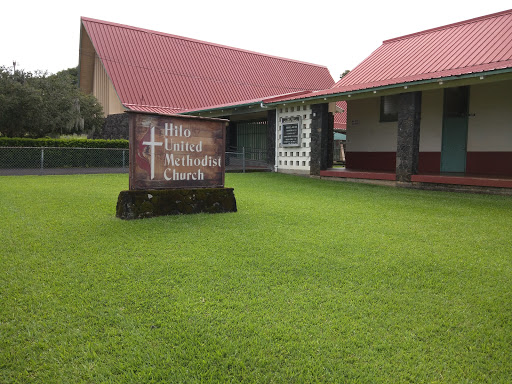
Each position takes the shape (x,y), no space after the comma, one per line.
(389,108)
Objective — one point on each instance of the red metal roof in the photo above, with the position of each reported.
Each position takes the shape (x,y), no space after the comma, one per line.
(476,45)
(156,70)
(472,46)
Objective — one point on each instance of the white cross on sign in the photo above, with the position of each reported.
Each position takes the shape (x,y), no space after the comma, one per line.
(153,144)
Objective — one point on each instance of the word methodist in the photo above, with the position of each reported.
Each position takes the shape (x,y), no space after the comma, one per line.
(176,152)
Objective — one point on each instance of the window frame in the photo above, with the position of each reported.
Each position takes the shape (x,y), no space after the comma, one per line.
(392,101)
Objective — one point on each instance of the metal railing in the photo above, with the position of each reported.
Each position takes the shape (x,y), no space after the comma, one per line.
(244,159)
(62,160)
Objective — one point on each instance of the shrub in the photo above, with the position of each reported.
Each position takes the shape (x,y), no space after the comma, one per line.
(68,143)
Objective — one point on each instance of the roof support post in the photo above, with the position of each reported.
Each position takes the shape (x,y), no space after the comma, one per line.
(231,133)
(271,137)
(408,137)
(322,138)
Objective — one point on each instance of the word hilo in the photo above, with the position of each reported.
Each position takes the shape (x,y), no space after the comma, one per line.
(171,130)
(176,131)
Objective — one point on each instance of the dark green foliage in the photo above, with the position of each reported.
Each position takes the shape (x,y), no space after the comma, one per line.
(72,73)
(345,73)
(91,112)
(20,104)
(69,143)
(41,104)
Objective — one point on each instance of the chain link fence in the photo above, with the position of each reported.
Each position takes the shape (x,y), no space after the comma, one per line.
(61,160)
(247,160)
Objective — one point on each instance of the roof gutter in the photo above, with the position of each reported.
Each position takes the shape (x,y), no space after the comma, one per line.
(222,108)
(262,104)
(348,94)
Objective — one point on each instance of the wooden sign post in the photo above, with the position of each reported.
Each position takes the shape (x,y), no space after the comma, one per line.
(176,167)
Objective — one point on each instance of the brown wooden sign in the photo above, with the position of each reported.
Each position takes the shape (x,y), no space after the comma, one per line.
(168,152)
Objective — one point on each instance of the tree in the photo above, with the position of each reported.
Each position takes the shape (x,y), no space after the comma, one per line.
(38,104)
(20,104)
(91,113)
(344,73)
(72,73)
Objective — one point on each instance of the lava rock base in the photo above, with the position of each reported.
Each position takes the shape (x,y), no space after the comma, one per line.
(140,204)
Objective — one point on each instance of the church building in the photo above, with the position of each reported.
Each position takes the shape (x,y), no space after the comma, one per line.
(432,109)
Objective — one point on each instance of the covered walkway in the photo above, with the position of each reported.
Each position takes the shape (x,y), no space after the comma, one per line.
(447,179)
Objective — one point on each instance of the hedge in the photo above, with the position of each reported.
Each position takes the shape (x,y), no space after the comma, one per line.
(68,143)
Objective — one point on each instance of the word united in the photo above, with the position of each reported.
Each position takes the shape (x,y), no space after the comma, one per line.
(180,155)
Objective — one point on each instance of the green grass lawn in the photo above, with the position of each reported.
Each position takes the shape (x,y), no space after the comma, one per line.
(310,281)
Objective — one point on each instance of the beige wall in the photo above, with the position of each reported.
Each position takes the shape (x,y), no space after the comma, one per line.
(364,131)
(104,90)
(114,103)
(431,125)
(490,130)
(86,62)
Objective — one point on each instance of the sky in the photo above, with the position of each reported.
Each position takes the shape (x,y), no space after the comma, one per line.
(44,35)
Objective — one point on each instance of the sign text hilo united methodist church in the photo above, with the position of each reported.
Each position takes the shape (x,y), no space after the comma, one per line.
(169,152)
(176,167)
(180,153)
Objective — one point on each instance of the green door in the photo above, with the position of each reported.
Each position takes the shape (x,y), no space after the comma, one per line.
(455,130)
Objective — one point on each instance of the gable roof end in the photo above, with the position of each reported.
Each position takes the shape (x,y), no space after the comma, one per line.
(154,70)
(471,46)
